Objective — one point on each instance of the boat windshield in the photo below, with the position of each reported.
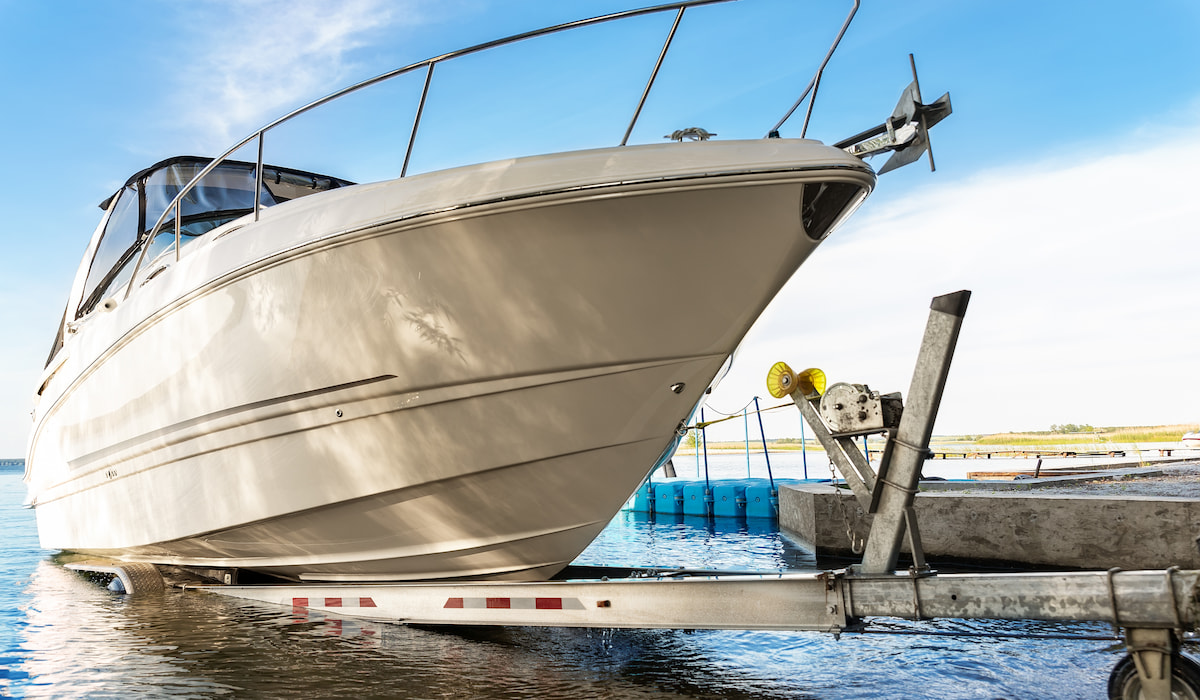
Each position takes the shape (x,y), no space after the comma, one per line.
(225,194)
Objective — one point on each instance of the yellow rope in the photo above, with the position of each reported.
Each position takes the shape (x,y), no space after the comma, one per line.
(705,424)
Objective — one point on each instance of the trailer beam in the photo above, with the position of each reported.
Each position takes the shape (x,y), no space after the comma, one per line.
(830,601)
(807,602)
(1131,599)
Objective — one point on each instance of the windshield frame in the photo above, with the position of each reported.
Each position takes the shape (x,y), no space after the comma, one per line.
(88,290)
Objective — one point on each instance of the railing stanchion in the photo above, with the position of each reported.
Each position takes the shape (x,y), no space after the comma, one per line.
(412,139)
(654,74)
(808,112)
(820,69)
(258,176)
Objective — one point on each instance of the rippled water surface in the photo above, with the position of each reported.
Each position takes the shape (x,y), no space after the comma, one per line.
(64,635)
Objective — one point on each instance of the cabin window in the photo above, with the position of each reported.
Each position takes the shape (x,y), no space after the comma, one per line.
(225,194)
(117,252)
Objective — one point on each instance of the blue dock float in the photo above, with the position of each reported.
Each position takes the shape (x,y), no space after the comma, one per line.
(729,498)
(643,498)
(668,497)
(760,503)
(726,498)
(697,498)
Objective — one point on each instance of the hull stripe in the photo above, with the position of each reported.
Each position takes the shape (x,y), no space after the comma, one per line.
(514,603)
(363,602)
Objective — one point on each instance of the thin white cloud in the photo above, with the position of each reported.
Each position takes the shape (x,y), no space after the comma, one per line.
(1085,294)
(273,55)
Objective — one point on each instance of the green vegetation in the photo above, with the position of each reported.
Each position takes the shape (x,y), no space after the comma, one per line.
(1071,428)
(1058,436)
(688,446)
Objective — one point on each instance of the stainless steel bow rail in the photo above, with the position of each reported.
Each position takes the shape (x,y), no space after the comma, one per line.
(1152,610)
(428,66)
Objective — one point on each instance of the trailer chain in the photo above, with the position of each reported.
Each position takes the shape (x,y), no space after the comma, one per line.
(857,544)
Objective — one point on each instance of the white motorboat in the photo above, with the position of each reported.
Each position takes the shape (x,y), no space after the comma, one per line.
(1191,440)
(462,373)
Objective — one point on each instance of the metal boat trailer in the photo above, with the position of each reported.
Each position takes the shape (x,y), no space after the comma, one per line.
(1153,610)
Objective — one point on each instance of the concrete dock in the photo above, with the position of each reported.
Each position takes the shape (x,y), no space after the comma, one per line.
(1030,526)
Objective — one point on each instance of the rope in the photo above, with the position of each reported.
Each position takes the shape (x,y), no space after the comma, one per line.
(705,424)
(735,413)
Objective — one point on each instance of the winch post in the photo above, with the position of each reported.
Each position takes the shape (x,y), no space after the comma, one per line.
(910,443)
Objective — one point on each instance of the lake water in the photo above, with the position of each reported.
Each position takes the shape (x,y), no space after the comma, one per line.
(63,635)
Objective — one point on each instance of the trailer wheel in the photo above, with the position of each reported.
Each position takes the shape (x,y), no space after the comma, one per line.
(1124,683)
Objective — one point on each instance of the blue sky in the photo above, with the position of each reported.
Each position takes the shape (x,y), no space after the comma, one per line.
(1063,196)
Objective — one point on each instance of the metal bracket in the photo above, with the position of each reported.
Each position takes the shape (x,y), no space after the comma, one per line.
(914,541)
(1152,651)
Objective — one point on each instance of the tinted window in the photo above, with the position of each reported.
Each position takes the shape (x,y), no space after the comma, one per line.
(224,194)
(113,262)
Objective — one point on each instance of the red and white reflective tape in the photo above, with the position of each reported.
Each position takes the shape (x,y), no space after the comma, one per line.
(333,603)
(514,603)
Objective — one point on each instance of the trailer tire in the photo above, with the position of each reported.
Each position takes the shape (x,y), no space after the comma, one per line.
(1124,684)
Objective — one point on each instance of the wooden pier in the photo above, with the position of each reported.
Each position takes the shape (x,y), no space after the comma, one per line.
(1010,453)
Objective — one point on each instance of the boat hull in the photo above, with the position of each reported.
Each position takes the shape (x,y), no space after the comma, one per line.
(466,392)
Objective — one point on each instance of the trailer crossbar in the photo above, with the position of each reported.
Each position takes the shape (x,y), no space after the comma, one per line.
(829,601)
(807,602)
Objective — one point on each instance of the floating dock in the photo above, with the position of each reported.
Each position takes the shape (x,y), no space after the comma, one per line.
(1027,527)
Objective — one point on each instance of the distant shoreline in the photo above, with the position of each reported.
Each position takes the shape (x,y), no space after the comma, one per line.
(1098,436)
